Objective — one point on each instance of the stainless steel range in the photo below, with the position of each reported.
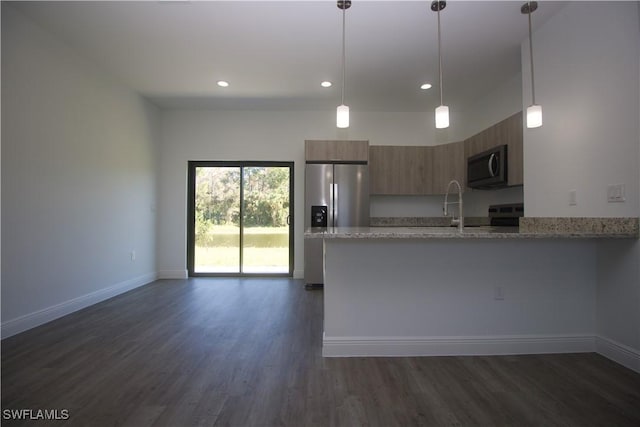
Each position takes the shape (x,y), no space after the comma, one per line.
(506,215)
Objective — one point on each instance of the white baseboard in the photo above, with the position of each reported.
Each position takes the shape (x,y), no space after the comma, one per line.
(620,353)
(455,346)
(173,274)
(184,274)
(40,317)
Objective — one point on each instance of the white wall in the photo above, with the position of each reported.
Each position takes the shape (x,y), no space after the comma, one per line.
(502,102)
(618,301)
(587,70)
(259,135)
(0,179)
(586,73)
(78,180)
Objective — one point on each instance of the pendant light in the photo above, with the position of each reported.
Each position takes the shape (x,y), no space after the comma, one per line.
(342,113)
(442,112)
(534,111)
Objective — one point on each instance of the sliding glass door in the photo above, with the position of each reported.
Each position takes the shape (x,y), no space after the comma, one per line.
(216,219)
(240,218)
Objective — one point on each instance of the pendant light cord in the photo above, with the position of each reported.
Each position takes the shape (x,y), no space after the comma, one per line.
(439,53)
(343,52)
(533,85)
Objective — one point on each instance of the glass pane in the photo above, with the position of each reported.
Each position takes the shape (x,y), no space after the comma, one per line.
(217,211)
(265,222)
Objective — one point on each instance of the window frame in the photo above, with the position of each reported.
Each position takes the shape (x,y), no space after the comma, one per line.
(191,199)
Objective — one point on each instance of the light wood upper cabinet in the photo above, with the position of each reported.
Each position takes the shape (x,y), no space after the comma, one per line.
(415,170)
(400,170)
(316,150)
(483,141)
(448,163)
(420,170)
(509,132)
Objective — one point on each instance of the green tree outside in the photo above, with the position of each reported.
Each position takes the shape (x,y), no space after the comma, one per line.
(265,210)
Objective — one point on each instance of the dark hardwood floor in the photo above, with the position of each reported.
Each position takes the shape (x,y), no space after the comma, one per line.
(243,352)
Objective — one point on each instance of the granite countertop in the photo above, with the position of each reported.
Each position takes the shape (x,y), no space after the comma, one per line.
(411,233)
(530,228)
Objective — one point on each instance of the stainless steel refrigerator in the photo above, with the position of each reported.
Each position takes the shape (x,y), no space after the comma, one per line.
(336,194)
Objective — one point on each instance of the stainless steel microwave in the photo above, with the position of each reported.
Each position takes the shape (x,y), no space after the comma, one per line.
(488,169)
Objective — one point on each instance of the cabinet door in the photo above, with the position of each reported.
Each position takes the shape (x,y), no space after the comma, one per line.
(336,150)
(511,132)
(448,163)
(481,141)
(400,170)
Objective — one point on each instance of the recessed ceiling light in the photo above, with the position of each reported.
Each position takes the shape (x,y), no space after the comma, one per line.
(223,83)
(326,84)
(425,86)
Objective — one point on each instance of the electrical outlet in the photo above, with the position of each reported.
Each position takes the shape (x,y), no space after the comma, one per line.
(133,255)
(616,193)
(573,200)
(498,293)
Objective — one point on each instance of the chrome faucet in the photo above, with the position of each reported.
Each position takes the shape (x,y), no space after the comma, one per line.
(454,221)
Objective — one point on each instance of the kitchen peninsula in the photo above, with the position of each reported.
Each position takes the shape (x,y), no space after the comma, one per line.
(413,291)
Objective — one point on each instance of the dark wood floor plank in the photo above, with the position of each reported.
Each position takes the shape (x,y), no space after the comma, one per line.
(248,352)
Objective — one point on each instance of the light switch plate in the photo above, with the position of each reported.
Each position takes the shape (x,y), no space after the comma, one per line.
(615,193)
(573,198)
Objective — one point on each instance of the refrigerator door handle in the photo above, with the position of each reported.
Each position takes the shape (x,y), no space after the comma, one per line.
(335,205)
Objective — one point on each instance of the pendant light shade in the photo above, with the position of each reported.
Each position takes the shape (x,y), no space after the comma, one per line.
(534,111)
(442,112)
(534,116)
(442,117)
(342,113)
(342,116)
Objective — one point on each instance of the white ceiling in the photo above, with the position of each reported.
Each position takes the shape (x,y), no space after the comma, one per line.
(276,53)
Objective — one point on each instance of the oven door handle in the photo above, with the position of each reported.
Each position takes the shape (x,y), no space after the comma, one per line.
(492,172)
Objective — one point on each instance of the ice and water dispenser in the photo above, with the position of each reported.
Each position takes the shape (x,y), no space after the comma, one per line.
(318,216)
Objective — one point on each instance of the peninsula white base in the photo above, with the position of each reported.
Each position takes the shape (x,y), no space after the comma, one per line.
(458,297)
